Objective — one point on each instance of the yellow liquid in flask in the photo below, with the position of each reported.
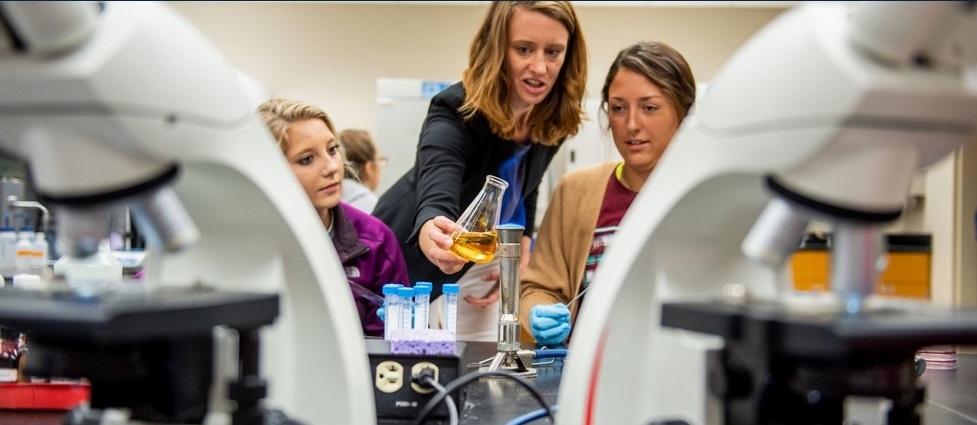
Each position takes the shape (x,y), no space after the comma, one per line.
(476,246)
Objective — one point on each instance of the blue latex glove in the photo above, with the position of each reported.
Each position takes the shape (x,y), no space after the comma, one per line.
(550,323)
(382,313)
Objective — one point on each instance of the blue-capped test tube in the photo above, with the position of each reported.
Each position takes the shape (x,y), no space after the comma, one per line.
(422,304)
(389,299)
(406,306)
(450,306)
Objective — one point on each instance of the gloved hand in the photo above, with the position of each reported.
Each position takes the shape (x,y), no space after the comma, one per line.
(382,313)
(550,323)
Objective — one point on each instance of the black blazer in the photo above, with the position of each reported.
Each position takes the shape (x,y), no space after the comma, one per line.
(453,158)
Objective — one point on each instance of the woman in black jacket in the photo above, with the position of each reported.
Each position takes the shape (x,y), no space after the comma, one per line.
(519,99)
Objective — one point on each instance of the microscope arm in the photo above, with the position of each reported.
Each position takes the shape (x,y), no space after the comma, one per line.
(934,35)
(914,54)
(133,105)
(41,28)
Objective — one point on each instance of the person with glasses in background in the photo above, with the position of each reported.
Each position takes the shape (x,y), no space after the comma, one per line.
(360,185)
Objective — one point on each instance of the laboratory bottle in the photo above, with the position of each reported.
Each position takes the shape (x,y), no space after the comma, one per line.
(450,306)
(422,304)
(389,293)
(8,250)
(474,236)
(406,306)
(41,250)
(24,250)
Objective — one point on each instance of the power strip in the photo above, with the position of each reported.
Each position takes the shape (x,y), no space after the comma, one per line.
(396,396)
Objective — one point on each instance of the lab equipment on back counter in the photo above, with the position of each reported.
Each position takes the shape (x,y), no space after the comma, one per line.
(89,275)
(22,257)
(24,250)
(42,252)
(905,273)
(8,250)
(826,114)
(117,103)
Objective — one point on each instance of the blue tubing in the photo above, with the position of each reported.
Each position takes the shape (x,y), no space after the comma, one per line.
(531,416)
(551,352)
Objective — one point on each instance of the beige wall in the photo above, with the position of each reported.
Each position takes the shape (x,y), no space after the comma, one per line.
(332,54)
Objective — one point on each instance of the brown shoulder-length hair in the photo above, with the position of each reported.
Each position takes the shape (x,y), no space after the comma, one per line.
(359,146)
(662,65)
(485,79)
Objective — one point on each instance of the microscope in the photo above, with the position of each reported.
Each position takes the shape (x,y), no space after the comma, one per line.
(124,103)
(825,114)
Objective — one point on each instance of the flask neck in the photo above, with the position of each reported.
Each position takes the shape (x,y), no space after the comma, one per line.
(491,196)
(495,184)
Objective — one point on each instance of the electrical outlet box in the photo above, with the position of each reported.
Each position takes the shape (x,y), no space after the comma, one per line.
(396,397)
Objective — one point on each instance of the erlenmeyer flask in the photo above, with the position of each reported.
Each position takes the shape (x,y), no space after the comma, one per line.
(474,236)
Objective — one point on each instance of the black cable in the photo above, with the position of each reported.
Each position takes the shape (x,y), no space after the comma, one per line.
(471,377)
(448,401)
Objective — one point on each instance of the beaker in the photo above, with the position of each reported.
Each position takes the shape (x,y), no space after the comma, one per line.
(474,236)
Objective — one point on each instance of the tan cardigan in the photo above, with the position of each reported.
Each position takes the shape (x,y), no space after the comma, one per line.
(559,256)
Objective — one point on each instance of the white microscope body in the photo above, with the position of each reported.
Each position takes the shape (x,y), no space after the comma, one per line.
(836,105)
(108,106)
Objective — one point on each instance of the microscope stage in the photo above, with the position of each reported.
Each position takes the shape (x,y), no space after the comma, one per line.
(829,334)
(131,316)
